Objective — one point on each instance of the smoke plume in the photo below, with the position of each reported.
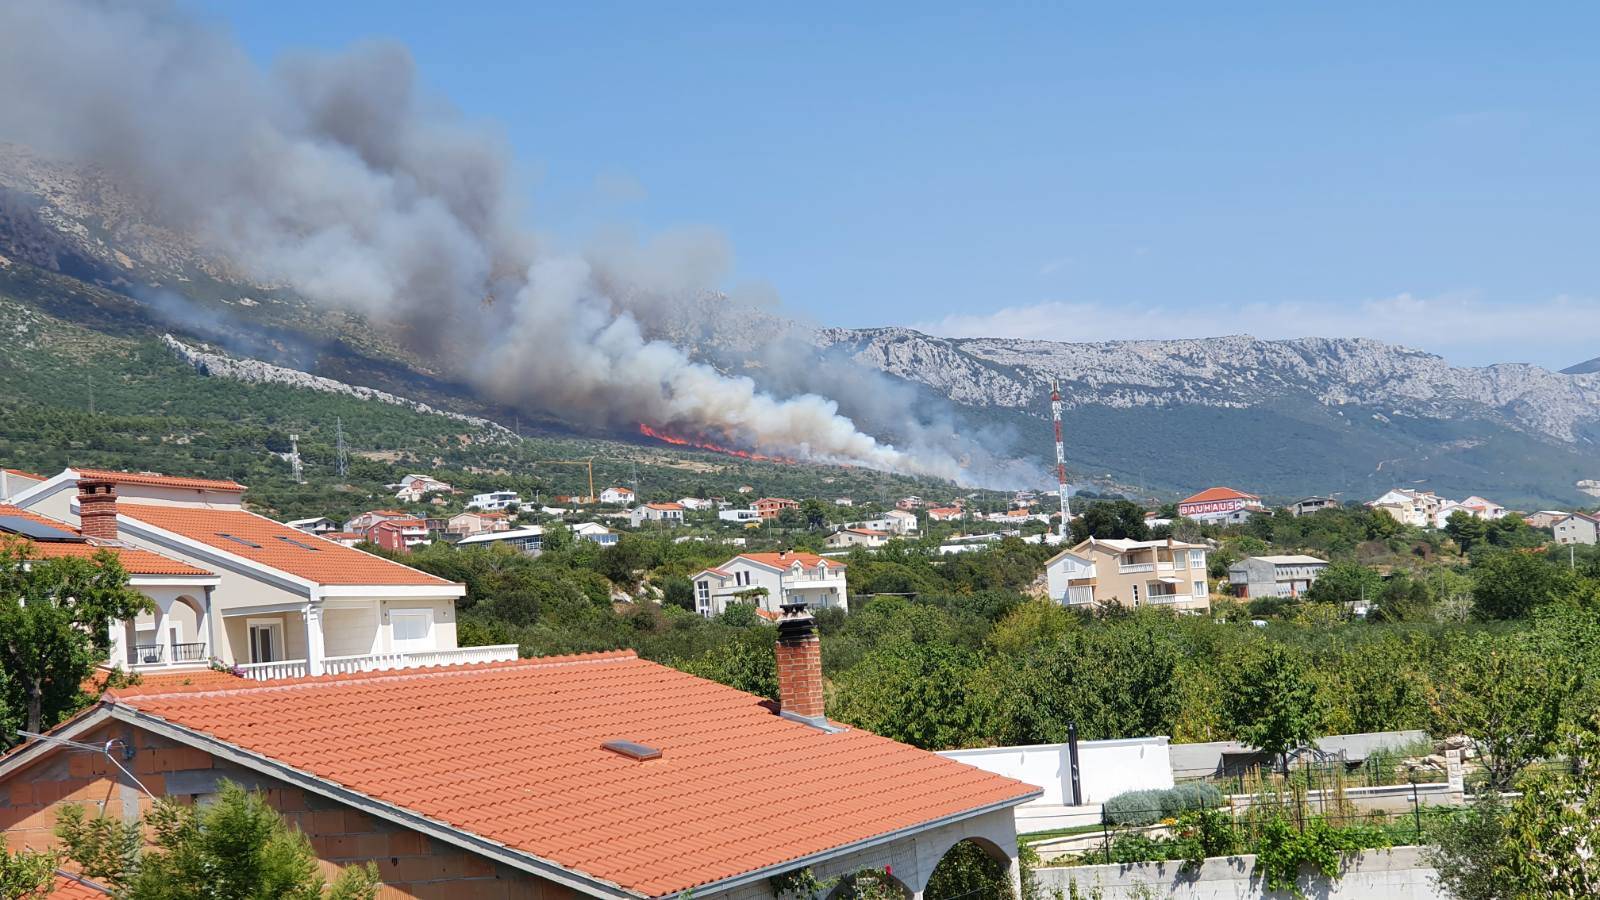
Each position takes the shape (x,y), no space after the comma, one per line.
(335,176)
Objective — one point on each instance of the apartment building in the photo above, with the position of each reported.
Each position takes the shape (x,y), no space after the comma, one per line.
(269,600)
(1220,504)
(770,580)
(1166,573)
(495,501)
(1419,509)
(1308,505)
(770,507)
(659,513)
(1577,528)
(858,537)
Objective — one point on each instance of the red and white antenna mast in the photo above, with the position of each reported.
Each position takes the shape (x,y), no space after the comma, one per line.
(1061,458)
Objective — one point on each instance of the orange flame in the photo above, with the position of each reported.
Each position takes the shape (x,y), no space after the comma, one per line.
(677,441)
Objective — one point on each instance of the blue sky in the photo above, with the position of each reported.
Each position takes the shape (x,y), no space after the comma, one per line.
(1425,175)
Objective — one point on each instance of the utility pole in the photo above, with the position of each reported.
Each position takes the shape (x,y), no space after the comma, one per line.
(1061,460)
(341,451)
(295,468)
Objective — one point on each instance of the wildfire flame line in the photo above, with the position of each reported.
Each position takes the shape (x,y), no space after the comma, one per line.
(677,441)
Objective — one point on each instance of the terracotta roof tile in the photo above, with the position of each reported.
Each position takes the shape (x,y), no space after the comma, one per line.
(1219,493)
(276,545)
(157,479)
(137,562)
(512,752)
(788,558)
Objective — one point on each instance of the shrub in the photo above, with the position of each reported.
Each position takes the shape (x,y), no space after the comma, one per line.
(1147,807)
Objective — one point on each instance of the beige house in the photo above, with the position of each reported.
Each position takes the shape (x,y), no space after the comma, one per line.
(1165,573)
(858,537)
(283,603)
(1577,528)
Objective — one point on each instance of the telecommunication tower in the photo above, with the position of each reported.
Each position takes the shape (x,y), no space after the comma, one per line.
(1061,459)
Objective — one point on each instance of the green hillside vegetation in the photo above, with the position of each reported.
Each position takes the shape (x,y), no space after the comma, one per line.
(70,394)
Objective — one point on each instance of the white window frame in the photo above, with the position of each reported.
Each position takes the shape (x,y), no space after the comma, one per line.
(272,624)
(1200,589)
(412,645)
(1197,559)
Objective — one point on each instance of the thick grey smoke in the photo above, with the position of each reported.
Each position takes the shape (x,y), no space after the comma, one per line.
(333,175)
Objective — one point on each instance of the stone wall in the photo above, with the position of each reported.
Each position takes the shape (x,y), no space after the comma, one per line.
(1396,874)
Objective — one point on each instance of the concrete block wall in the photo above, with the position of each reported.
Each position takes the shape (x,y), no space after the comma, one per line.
(1396,874)
(411,865)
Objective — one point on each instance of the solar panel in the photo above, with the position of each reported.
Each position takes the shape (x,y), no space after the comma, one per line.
(38,531)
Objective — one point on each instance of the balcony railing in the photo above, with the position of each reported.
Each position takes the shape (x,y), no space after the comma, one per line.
(1167,599)
(195,652)
(1129,568)
(148,654)
(377,662)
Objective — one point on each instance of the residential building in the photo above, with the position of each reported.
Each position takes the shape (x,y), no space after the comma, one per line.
(591,531)
(15,481)
(1165,573)
(911,502)
(617,496)
(902,522)
(659,513)
(478,522)
(1155,520)
(314,525)
(966,543)
(742,516)
(696,504)
(1418,509)
(746,489)
(284,603)
(945,513)
(858,537)
(362,522)
(1308,505)
(1483,509)
(843,501)
(770,580)
(1274,576)
(1545,518)
(413,488)
(343,538)
(528,540)
(771,507)
(399,534)
(436,783)
(1577,528)
(495,501)
(1220,504)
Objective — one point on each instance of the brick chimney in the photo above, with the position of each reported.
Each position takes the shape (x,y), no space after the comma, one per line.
(97,509)
(799,666)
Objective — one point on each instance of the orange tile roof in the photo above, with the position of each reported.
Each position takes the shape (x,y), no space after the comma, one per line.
(1219,493)
(156,479)
(169,682)
(73,887)
(512,752)
(26,474)
(787,558)
(137,562)
(330,563)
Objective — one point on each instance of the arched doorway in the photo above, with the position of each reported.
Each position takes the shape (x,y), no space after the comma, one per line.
(972,869)
(185,625)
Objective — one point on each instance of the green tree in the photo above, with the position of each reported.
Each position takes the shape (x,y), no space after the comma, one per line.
(1508,584)
(1508,695)
(911,692)
(1345,582)
(1109,520)
(237,848)
(1466,529)
(815,512)
(26,874)
(557,537)
(1269,699)
(746,662)
(55,618)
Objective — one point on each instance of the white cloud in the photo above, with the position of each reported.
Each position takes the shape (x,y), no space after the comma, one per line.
(1553,333)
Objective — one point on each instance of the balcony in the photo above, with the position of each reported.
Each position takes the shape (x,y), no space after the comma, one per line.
(1167,599)
(149,656)
(377,662)
(1134,568)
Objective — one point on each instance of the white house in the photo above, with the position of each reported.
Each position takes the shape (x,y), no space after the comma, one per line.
(617,496)
(314,525)
(843,501)
(1577,528)
(494,501)
(770,580)
(696,504)
(528,540)
(595,532)
(740,516)
(414,487)
(858,537)
(1418,509)
(660,513)
(901,521)
(282,603)
(1484,509)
